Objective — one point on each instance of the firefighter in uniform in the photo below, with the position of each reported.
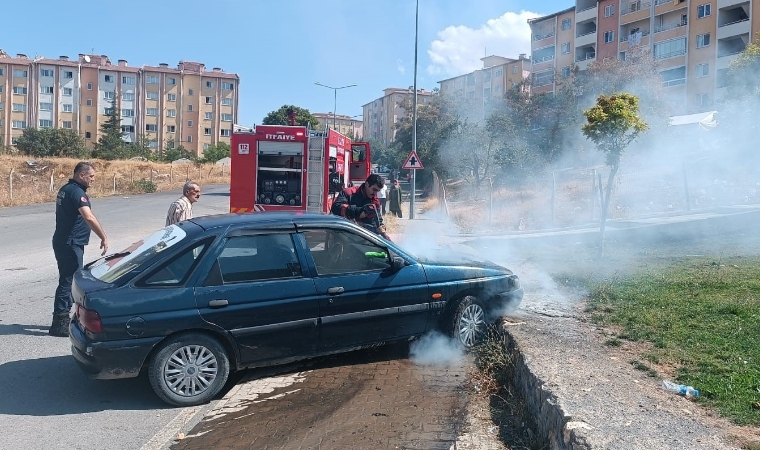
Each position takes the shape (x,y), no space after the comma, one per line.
(73,222)
(361,205)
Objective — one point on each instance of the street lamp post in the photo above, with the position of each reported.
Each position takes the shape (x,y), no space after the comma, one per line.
(335,100)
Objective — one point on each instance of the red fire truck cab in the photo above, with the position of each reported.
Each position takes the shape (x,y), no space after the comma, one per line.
(292,168)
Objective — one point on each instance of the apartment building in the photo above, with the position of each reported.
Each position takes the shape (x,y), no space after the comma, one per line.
(162,106)
(347,125)
(382,114)
(694,41)
(484,85)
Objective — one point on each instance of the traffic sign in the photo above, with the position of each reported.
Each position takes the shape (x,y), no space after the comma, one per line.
(413,162)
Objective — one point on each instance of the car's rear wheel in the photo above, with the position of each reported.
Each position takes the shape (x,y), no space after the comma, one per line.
(469,324)
(189,369)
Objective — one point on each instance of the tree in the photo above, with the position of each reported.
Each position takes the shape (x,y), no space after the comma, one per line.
(612,124)
(172,153)
(47,142)
(742,99)
(215,152)
(111,144)
(141,148)
(280,117)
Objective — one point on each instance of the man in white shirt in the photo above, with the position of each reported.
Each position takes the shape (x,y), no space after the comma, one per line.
(382,195)
(182,208)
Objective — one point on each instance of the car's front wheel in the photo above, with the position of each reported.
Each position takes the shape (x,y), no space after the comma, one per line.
(469,324)
(189,369)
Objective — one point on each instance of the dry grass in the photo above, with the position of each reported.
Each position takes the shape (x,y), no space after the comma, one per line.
(41,182)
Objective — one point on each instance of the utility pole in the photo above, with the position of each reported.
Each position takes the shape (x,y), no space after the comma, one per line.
(414,111)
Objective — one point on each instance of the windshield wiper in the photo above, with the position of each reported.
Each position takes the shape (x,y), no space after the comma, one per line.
(107,258)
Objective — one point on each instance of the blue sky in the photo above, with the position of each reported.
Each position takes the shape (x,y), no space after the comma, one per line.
(281,48)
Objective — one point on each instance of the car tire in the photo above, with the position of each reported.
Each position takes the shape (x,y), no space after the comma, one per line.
(469,323)
(189,369)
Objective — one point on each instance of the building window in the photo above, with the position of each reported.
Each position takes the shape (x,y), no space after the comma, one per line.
(1,106)
(127,128)
(151,127)
(153,144)
(189,107)
(45,123)
(68,74)
(108,78)
(499,73)
(18,107)
(703,11)
(565,72)
(674,77)
(108,111)
(609,36)
(151,95)
(89,86)
(128,96)
(189,139)
(108,95)
(88,119)
(225,133)
(497,88)
(189,123)
(127,80)
(68,92)
(565,49)
(67,124)
(702,99)
(207,131)
(89,102)
(46,89)
(19,90)
(171,113)
(151,112)
(206,146)
(127,113)
(670,49)
(190,92)
(170,144)
(18,73)
(566,24)
(209,116)
(87,135)
(226,117)
(68,107)
(151,79)
(1,72)
(171,81)
(171,128)
(609,10)
(228,86)
(18,124)
(210,84)
(226,102)
(703,70)
(703,40)
(171,97)
(209,100)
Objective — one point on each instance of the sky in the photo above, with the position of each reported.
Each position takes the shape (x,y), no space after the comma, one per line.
(281,48)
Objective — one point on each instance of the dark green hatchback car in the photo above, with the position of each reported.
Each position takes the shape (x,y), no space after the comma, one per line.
(198,299)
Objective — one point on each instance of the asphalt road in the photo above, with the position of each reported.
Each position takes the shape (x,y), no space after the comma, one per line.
(46,401)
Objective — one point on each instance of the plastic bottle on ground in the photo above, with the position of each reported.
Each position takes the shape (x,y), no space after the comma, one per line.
(682,389)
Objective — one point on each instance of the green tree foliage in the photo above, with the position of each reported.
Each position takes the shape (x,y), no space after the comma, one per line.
(215,152)
(612,124)
(111,143)
(280,117)
(48,142)
(742,99)
(174,153)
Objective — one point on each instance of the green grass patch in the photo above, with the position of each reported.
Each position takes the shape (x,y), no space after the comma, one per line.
(702,317)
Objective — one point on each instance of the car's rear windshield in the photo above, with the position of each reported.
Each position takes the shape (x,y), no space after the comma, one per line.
(110,270)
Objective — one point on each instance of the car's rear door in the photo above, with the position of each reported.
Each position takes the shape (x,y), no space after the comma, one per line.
(257,291)
(362,300)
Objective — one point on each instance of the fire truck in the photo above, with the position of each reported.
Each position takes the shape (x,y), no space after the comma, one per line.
(293,168)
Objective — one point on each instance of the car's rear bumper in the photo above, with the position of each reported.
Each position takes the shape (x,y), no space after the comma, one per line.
(109,360)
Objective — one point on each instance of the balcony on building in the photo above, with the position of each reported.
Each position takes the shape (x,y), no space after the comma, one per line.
(634,36)
(665,6)
(584,56)
(670,25)
(543,57)
(675,76)
(732,45)
(585,10)
(734,20)
(543,33)
(585,33)
(633,11)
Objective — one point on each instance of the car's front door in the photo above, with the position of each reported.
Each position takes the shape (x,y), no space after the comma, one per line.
(362,300)
(257,291)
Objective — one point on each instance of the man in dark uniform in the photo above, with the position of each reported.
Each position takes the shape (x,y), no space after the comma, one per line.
(73,222)
(361,205)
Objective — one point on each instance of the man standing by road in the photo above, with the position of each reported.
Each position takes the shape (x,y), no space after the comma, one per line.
(73,222)
(394,199)
(182,208)
(361,205)
(382,195)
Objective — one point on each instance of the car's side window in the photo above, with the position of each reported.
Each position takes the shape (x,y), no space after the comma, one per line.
(339,251)
(258,257)
(176,271)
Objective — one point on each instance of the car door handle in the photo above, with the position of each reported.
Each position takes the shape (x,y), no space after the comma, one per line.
(335,290)
(220,303)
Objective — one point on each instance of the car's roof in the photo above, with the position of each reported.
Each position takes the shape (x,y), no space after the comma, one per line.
(266,219)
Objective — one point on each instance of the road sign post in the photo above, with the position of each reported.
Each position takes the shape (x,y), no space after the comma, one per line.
(414,164)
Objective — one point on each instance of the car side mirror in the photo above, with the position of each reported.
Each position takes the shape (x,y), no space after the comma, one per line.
(397,263)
